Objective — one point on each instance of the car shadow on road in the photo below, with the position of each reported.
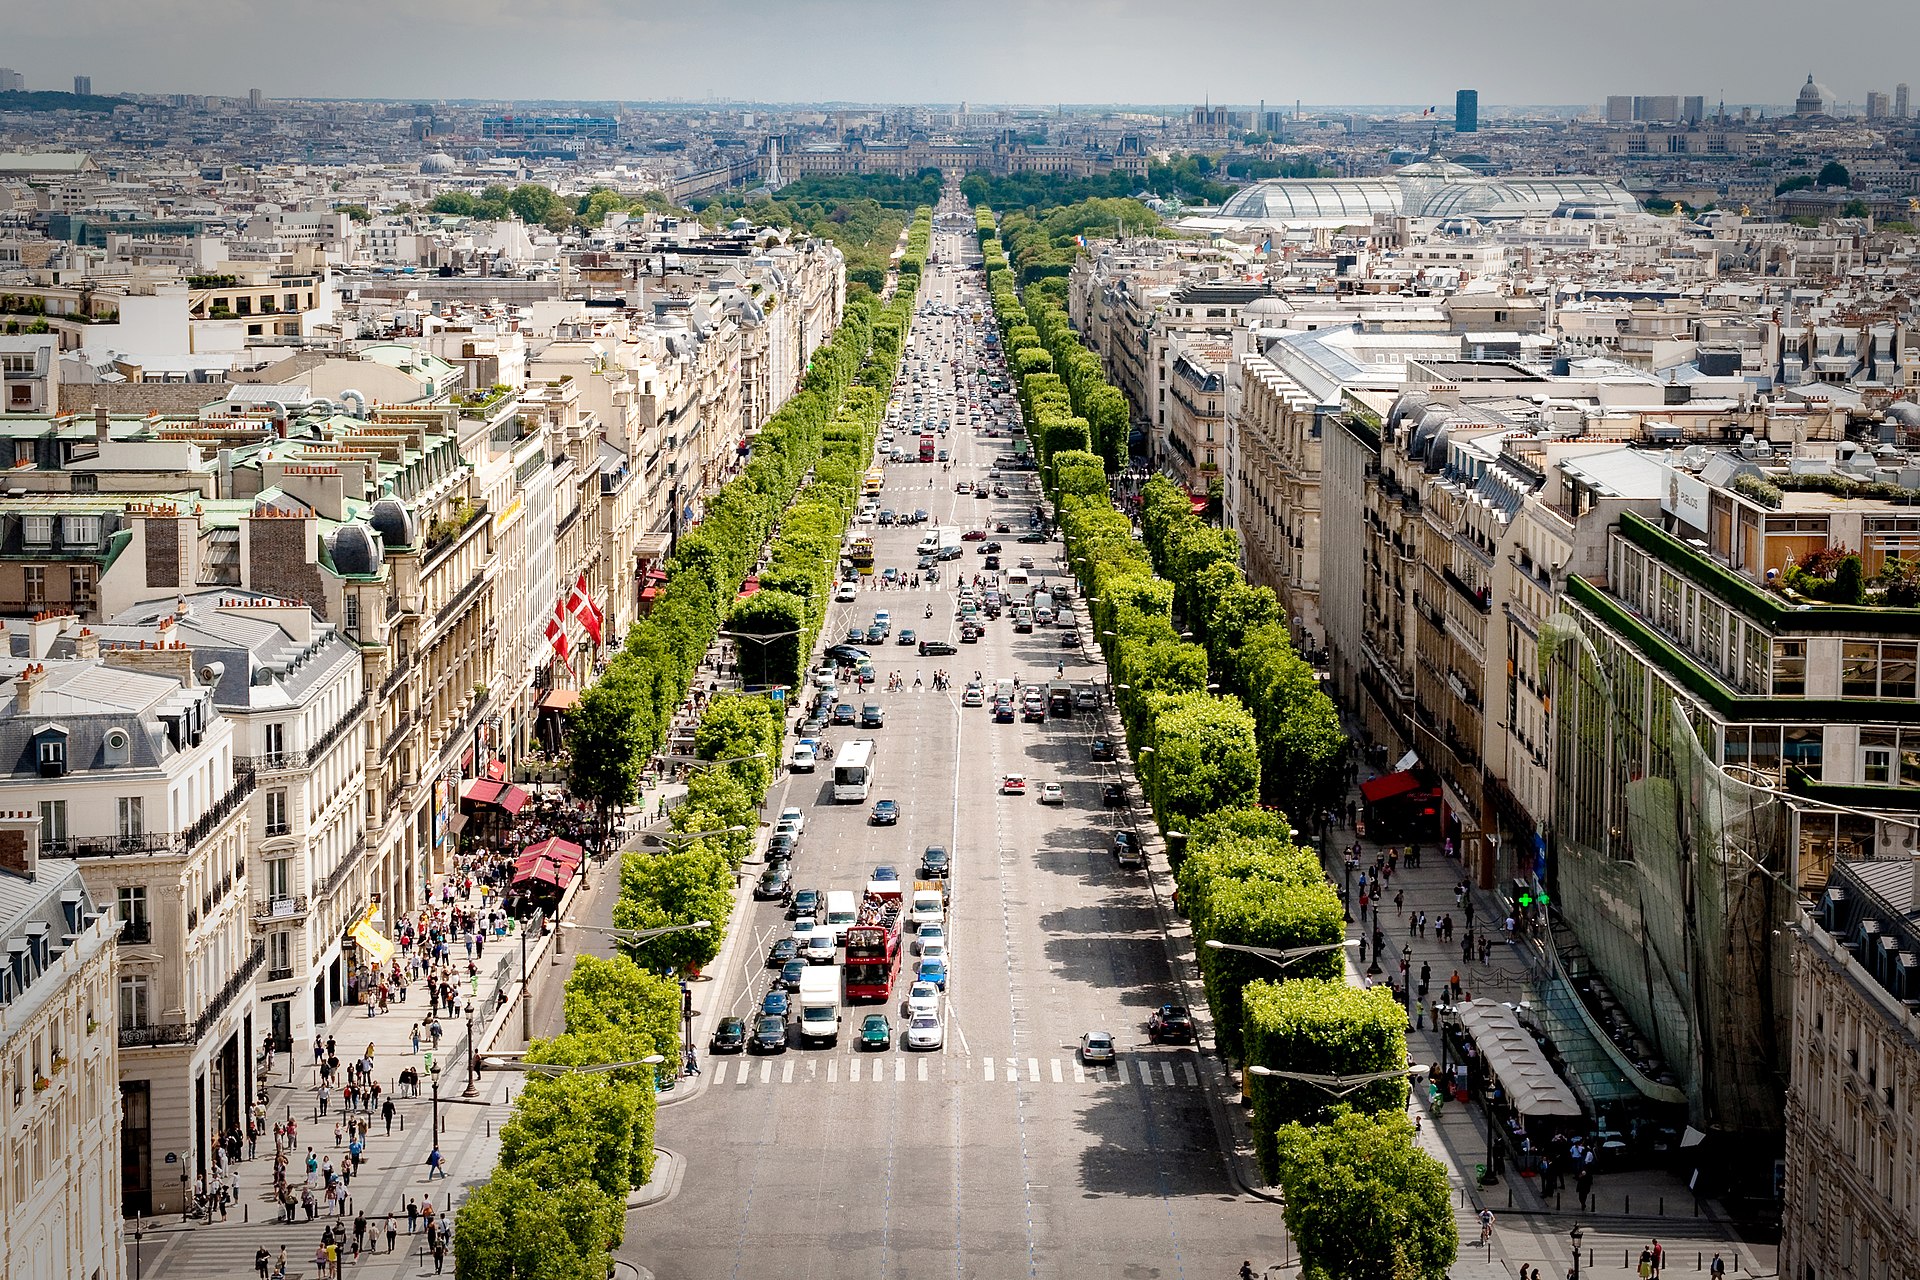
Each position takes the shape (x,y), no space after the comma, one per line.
(1154,1139)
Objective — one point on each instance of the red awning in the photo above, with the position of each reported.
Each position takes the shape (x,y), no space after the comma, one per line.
(544,871)
(748,588)
(1199,505)
(481,791)
(496,770)
(649,593)
(511,798)
(656,575)
(554,849)
(1387,786)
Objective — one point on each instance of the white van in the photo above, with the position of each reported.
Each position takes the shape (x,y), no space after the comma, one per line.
(840,913)
(1016,578)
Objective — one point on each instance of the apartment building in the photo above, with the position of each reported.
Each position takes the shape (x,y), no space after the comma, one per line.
(1853,1200)
(59,1185)
(294,689)
(135,775)
(29,374)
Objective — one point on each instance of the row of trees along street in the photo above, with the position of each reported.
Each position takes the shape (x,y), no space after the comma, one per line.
(1230,730)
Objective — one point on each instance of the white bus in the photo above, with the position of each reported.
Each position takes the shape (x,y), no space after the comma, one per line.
(853,771)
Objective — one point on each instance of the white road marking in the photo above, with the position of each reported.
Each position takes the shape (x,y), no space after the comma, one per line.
(1056,1070)
(899,1069)
(1186,1071)
(786,1072)
(853,1071)
(833,1070)
(1033,1068)
(1166,1069)
(1079,1073)
(923,1068)
(745,1067)
(1119,1071)
(766,1073)
(989,1062)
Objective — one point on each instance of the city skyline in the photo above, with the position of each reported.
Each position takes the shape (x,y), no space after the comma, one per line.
(848,51)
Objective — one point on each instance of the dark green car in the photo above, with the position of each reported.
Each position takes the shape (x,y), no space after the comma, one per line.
(876,1032)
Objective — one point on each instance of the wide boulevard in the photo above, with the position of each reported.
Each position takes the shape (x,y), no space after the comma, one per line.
(1000,1154)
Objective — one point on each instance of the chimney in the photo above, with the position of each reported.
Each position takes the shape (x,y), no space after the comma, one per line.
(86,645)
(100,422)
(26,686)
(44,630)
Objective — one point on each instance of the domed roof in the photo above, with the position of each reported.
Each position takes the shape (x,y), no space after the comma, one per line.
(438,162)
(393,522)
(1407,405)
(1297,200)
(1268,308)
(1813,98)
(356,550)
(1905,412)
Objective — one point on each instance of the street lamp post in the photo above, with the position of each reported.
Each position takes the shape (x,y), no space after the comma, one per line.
(1576,1233)
(1277,956)
(473,1063)
(433,1078)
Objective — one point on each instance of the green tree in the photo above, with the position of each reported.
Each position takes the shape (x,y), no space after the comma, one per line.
(677,887)
(603,751)
(618,995)
(775,661)
(512,1227)
(1363,1202)
(1205,758)
(1321,1027)
(1834,174)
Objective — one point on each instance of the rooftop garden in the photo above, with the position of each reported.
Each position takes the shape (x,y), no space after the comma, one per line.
(486,398)
(448,526)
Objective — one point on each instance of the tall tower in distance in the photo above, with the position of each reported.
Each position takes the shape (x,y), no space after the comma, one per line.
(83,86)
(1466,111)
(1900,102)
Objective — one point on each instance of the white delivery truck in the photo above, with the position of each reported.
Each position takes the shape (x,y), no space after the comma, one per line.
(820,1004)
(929,903)
(950,545)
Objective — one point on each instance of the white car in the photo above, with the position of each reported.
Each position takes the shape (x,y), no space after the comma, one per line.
(922,998)
(932,949)
(820,945)
(794,815)
(824,679)
(805,759)
(1051,794)
(973,696)
(803,927)
(846,592)
(924,1031)
(931,931)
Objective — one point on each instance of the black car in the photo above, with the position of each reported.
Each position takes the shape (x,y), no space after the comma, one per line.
(872,717)
(991,562)
(847,653)
(936,648)
(1115,795)
(1170,1024)
(934,863)
(813,727)
(969,634)
(769,1035)
(806,902)
(775,883)
(729,1037)
(782,950)
(885,813)
(1125,844)
(843,713)
(1070,639)
(1033,535)
(989,548)
(780,848)
(855,635)
(790,972)
(876,634)
(1102,749)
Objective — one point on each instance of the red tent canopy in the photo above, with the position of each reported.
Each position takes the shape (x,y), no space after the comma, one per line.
(481,791)
(544,871)
(512,798)
(1387,786)
(554,849)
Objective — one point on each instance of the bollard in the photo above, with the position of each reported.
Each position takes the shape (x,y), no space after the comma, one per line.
(1623,1259)
(1698,1260)
(1663,1206)
(1626,1205)
(1509,1195)
(1556,1202)
(244,1207)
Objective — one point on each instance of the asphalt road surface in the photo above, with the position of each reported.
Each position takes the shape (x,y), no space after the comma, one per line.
(1000,1154)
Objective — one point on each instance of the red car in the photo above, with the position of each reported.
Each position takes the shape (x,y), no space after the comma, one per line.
(974,535)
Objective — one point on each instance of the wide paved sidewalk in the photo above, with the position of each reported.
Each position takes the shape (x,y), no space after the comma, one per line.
(394,1169)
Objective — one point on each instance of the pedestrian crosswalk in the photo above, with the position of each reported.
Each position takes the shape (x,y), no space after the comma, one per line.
(1154,1073)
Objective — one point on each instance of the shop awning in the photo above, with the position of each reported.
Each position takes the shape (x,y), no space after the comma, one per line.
(1510,1053)
(554,849)
(751,587)
(647,595)
(480,791)
(512,798)
(1387,786)
(496,770)
(544,871)
(1198,505)
(559,699)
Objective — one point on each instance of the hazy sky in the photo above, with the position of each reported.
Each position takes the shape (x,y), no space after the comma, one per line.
(1162,51)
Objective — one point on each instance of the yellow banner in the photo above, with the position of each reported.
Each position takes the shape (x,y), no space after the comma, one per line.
(366,932)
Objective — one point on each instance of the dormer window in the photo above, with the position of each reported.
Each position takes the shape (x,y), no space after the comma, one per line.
(37,530)
(117,745)
(50,747)
(80,531)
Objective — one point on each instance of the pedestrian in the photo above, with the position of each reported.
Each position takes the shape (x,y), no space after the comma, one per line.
(260,1260)
(321,1094)
(386,1113)
(359,1230)
(413,1214)
(434,1169)
(439,1256)
(1246,1270)
(322,1263)
(1717,1268)
(1646,1263)
(393,1233)
(1659,1258)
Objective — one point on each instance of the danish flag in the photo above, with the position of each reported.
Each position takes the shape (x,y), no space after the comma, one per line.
(580,605)
(557,632)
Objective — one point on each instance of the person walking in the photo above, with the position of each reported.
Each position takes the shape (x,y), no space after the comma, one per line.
(1717,1269)
(386,1113)
(260,1256)
(434,1165)
(413,1214)
(393,1233)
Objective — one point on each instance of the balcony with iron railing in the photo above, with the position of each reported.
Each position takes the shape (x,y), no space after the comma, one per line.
(161,1035)
(299,761)
(151,843)
(282,907)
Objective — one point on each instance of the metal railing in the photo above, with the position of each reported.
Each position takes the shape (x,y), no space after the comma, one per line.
(284,907)
(192,1032)
(297,761)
